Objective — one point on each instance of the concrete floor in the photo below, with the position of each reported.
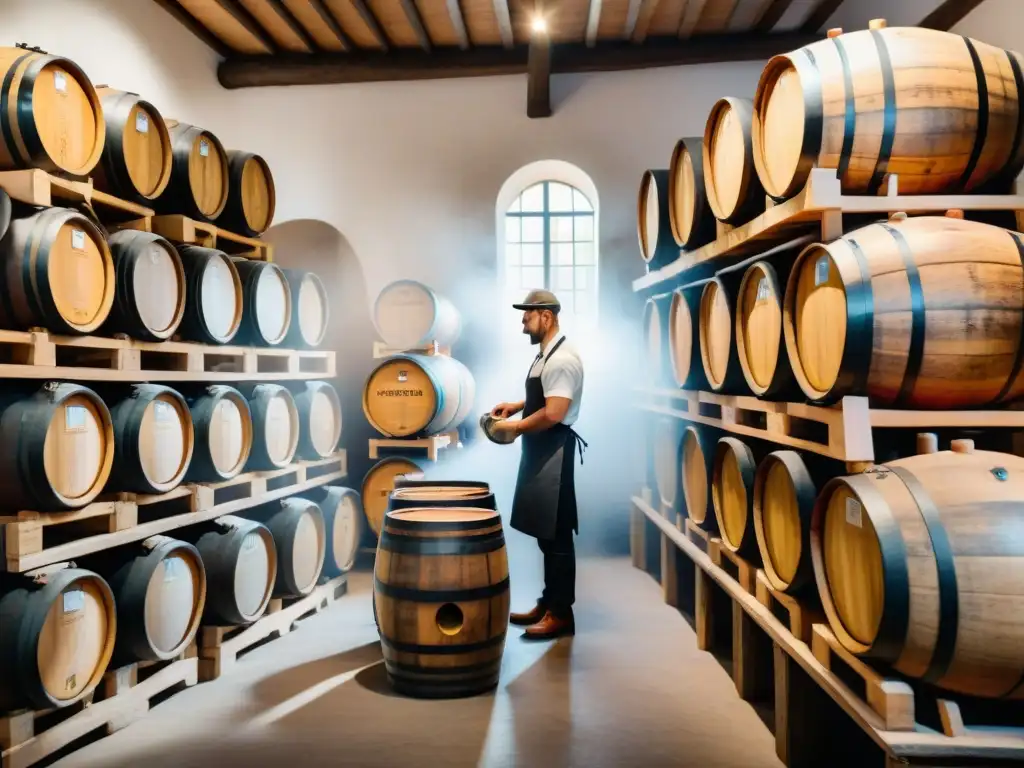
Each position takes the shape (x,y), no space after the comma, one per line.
(631,689)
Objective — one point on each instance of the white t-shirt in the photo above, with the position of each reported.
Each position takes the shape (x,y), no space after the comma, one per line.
(562,375)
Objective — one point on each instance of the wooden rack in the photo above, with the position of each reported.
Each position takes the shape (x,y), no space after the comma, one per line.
(381,350)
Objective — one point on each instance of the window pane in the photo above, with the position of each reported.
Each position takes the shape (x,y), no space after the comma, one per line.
(533,229)
(563,278)
(512,231)
(559,197)
(584,228)
(561,229)
(533,277)
(533,198)
(584,253)
(561,253)
(516,206)
(579,202)
(584,278)
(512,253)
(583,303)
(533,255)
(513,279)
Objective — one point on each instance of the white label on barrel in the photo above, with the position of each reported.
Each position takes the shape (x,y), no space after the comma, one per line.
(142,122)
(60,82)
(78,239)
(204,148)
(853,512)
(173,566)
(403,376)
(74,601)
(250,541)
(163,412)
(74,418)
(763,289)
(821,271)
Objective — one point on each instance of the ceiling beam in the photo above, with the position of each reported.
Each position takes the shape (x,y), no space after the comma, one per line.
(949,14)
(332,24)
(370,19)
(189,22)
(504,23)
(247,20)
(642,22)
(458,23)
(538,69)
(412,14)
(593,21)
(770,15)
(819,15)
(293,24)
(691,16)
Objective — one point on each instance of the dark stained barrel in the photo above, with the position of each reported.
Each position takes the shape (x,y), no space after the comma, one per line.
(199,174)
(319,410)
(223,433)
(266,302)
(275,426)
(693,223)
(297,525)
(343,527)
(149,300)
(136,161)
(251,197)
(310,309)
(213,296)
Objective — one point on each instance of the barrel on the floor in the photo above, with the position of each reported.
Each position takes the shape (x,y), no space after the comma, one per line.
(199,174)
(319,409)
(251,200)
(718,351)
(153,438)
(441,593)
(136,160)
(266,302)
(275,426)
(940,111)
(684,339)
(653,227)
(899,311)
(759,344)
(733,188)
(697,450)
(732,486)
(51,117)
(56,272)
(693,222)
(213,295)
(667,465)
(310,309)
(379,482)
(414,394)
(297,525)
(441,493)
(223,433)
(655,323)
(149,300)
(343,527)
(410,315)
(56,638)
(56,446)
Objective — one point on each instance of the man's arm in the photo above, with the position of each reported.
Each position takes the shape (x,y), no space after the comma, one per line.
(552,413)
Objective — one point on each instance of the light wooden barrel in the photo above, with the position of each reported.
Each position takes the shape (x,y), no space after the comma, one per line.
(224,433)
(941,111)
(213,295)
(149,301)
(251,196)
(300,538)
(310,309)
(759,337)
(343,527)
(418,394)
(378,484)
(136,160)
(731,183)
(655,325)
(784,495)
(667,464)
(56,638)
(732,486)
(56,273)
(684,339)
(275,426)
(653,227)
(241,567)
(58,447)
(410,315)
(441,593)
(426,494)
(696,451)
(718,352)
(692,220)
(320,420)
(921,313)
(153,439)
(52,117)
(267,303)
(920,565)
(199,174)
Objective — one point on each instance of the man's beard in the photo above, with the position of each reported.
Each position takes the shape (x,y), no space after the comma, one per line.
(535,338)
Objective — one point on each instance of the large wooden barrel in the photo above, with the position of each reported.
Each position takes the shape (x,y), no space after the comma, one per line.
(251,201)
(56,272)
(410,315)
(199,174)
(692,220)
(297,525)
(667,464)
(241,568)
(426,494)
(920,565)
(310,309)
(342,509)
(655,325)
(697,450)
(718,351)
(267,303)
(733,188)
(898,311)
(941,111)
(275,426)
(153,438)
(213,295)
(759,345)
(57,446)
(684,339)
(136,160)
(379,482)
(653,228)
(51,117)
(441,593)
(224,433)
(413,394)
(320,419)
(732,486)
(149,300)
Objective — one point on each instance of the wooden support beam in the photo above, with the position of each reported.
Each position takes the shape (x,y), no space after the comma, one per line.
(949,14)
(189,22)
(370,19)
(293,24)
(642,22)
(538,85)
(332,24)
(774,11)
(593,21)
(458,23)
(416,22)
(691,16)
(504,23)
(821,13)
(247,20)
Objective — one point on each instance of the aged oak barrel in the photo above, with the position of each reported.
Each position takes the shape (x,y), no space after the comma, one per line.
(56,637)
(56,272)
(51,117)
(297,525)
(213,295)
(275,426)
(718,351)
(692,220)
(941,111)
(251,201)
(310,310)
(919,313)
(136,160)
(199,174)
(440,493)
(732,485)
(656,354)
(441,594)
(759,346)
(267,303)
(414,394)
(684,339)
(653,228)
(224,433)
(149,297)
(697,449)
(319,409)
(343,527)
(731,183)
(410,315)
(379,482)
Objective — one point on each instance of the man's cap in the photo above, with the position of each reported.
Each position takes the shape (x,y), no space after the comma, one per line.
(539,299)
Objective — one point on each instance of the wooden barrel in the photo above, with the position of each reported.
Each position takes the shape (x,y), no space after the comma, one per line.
(224,433)
(136,160)
(784,495)
(920,565)
(733,188)
(241,568)
(732,486)
(441,593)
(441,493)
(656,355)
(153,438)
(762,354)
(718,352)
(310,309)
(697,450)
(213,295)
(692,220)
(297,525)
(941,111)
(899,311)
(653,228)
(275,426)
(149,300)
(342,509)
(199,174)
(319,409)
(267,303)
(667,465)
(378,484)
(413,394)
(56,273)
(52,117)
(249,210)
(411,481)
(684,338)
(56,638)
(57,446)
(410,315)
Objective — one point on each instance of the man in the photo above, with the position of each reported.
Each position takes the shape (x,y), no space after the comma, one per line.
(545,499)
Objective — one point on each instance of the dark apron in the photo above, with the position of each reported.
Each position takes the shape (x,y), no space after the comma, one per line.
(545,495)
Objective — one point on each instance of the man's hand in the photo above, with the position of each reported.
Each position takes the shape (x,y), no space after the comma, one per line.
(506,410)
(505,427)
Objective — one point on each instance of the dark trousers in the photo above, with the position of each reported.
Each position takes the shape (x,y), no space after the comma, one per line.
(559,572)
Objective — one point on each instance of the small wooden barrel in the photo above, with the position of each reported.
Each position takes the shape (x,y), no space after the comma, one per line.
(241,568)
(57,272)
(51,117)
(320,422)
(213,295)
(409,315)
(310,310)
(378,484)
(224,433)
(58,447)
(149,302)
(697,450)
(733,189)
(692,220)
(267,303)
(418,394)
(784,495)
(732,485)
(251,197)
(762,355)
(297,525)
(153,439)
(898,311)
(440,493)
(56,638)
(199,174)
(667,465)
(275,426)
(343,527)
(684,338)
(136,160)
(655,325)
(940,110)
(653,228)
(441,593)
(718,352)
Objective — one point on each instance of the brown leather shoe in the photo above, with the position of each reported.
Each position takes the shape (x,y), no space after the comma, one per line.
(531,617)
(550,627)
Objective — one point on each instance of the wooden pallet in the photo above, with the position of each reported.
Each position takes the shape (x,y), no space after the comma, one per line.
(220,648)
(182,229)
(429,445)
(798,616)
(36,187)
(741,569)
(380,350)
